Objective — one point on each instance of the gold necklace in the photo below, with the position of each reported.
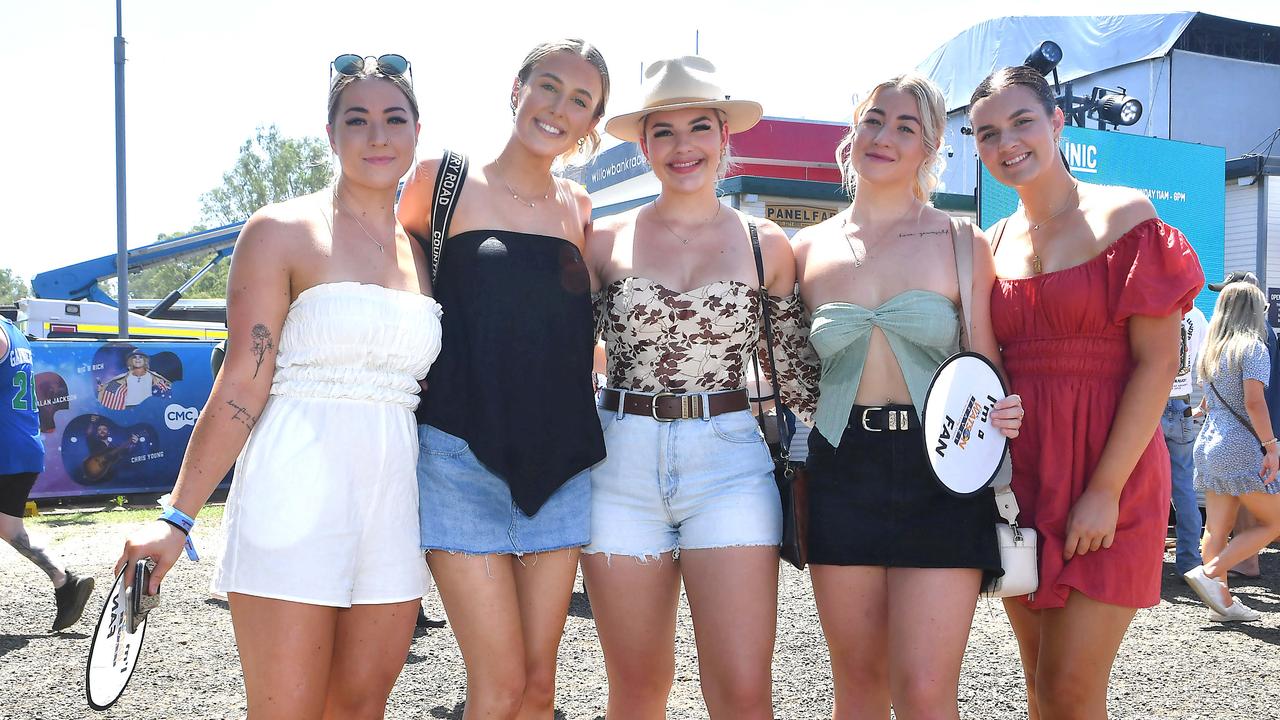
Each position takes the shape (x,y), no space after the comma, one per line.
(359,224)
(684,240)
(1036,267)
(516,196)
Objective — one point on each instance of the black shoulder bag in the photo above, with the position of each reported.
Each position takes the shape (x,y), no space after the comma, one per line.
(791,478)
(1243,420)
(449,181)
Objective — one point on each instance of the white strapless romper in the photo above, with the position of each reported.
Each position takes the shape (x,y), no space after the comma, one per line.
(323,508)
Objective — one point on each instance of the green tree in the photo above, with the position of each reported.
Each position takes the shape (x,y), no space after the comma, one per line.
(161,279)
(12,287)
(270,168)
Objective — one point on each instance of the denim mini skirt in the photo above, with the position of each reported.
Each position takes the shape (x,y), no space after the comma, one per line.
(463,507)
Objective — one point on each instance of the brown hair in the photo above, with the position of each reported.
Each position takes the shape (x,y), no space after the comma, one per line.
(1021,76)
(591,54)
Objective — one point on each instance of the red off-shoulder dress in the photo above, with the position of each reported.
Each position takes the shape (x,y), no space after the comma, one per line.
(1065,343)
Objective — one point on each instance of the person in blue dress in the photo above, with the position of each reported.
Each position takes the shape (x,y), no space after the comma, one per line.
(1235,455)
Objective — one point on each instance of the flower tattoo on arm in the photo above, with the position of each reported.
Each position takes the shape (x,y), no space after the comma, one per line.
(261,345)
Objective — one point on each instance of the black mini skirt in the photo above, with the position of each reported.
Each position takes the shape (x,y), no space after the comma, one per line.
(874,501)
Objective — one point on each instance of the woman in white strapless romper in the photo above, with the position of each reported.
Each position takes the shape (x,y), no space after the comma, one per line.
(332,446)
(330,329)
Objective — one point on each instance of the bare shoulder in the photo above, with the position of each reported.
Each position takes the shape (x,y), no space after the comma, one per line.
(612,224)
(773,239)
(423,174)
(1121,208)
(282,232)
(579,195)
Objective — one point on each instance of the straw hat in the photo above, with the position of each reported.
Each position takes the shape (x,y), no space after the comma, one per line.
(680,83)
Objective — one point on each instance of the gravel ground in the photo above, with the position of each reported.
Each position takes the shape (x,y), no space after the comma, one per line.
(1174,663)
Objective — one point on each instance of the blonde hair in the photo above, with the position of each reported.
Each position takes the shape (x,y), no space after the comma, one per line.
(1239,322)
(588,146)
(933,120)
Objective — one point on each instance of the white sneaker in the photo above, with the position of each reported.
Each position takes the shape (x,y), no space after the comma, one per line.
(1237,612)
(1207,588)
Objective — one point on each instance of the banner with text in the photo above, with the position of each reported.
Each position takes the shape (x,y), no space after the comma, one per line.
(1184,181)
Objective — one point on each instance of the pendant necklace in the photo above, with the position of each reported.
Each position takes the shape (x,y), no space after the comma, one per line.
(359,224)
(684,240)
(516,196)
(1036,267)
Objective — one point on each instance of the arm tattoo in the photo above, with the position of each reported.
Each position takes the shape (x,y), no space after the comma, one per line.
(261,345)
(243,416)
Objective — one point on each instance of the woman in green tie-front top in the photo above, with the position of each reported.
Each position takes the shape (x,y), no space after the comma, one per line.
(897,562)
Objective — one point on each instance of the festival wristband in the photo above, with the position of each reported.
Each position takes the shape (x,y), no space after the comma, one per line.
(183,522)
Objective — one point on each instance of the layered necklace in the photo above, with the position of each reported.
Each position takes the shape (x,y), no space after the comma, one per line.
(515,195)
(338,201)
(685,240)
(1074,194)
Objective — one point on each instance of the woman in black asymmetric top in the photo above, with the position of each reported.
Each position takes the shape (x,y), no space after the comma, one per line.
(509,429)
(514,374)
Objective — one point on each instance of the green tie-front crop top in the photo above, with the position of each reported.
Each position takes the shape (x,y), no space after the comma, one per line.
(922,327)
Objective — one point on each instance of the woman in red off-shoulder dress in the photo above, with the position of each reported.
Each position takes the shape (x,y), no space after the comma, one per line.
(1090,290)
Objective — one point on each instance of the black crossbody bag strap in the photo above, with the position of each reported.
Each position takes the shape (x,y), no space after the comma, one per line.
(449,181)
(1243,420)
(784,440)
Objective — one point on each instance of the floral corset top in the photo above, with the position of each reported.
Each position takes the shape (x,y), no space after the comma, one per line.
(700,340)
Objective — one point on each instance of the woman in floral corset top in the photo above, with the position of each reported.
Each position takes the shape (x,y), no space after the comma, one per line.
(687,491)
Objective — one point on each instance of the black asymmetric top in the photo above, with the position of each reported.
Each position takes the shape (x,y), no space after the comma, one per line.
(514,374)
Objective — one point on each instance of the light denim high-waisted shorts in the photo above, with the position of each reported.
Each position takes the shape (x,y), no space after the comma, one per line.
(462,507)
(682,485)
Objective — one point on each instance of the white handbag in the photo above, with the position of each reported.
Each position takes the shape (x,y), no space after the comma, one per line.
(1017,544)
(1017,550)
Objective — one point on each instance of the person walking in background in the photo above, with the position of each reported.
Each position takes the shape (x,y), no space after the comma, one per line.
(1180,429)
(1231,468)
(1248,568)
(21,461)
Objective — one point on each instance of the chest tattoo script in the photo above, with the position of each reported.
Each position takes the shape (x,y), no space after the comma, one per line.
(924,233)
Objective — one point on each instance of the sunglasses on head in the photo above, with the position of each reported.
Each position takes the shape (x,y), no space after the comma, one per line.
(350,64)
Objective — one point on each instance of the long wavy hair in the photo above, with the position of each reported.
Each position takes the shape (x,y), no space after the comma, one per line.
(1239,322)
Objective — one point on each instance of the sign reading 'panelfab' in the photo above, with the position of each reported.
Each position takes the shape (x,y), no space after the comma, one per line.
(797,216)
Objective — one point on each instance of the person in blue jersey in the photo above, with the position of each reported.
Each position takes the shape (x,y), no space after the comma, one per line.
(21,461)
(508,429)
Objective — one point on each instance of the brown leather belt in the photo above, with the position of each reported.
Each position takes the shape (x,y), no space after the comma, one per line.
(667,406)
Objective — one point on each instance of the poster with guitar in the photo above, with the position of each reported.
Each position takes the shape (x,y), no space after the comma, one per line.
(116,416)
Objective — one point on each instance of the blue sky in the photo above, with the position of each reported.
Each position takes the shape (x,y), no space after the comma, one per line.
(202,76)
